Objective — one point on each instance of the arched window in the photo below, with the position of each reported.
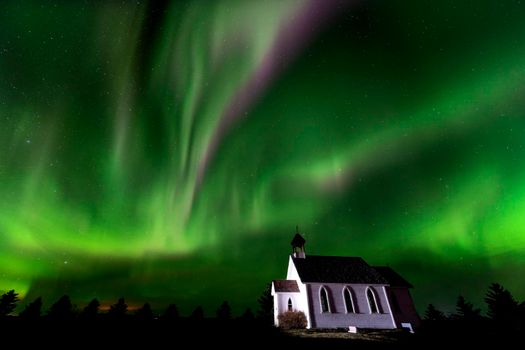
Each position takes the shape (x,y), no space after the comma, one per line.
(290,305)
(325,305)
(372,301)
(349,301)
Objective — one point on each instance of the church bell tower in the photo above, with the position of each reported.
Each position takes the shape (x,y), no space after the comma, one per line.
(298,245)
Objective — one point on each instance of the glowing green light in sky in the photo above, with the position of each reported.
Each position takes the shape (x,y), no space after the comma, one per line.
(167,152)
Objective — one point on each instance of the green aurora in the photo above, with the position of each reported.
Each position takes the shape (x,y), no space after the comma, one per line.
(165,151)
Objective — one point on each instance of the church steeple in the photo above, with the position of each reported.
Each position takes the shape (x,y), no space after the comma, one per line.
(298,245)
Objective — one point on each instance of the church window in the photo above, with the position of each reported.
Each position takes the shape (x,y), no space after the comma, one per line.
(372,301)
(325,305)
(349,301)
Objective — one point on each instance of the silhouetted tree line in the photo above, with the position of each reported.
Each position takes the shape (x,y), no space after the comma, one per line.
(64,310)
(504,313)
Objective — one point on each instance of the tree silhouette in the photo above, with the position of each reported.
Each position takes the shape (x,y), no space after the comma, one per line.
(33,310)
(502,307)
(248,315)
(62,309)
(171,313)
(90,312)
(433,314)
(265,312)
(198,313)
(8,303)
(466,311)
(144,313)
(224,311)
(118,310)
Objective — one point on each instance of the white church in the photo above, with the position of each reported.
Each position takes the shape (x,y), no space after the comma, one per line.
(343,292)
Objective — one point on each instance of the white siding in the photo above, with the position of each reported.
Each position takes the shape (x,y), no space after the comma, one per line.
(292,273)
(280,304)
(299,300)
(338,318)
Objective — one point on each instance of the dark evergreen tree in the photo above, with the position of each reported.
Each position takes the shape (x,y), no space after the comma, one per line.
(33,310)
(144,313)
(171,313)
(62,309)
(265,312)
(118,310)
(502,307)
(8,303)
(198,313)
(224,311)
(466,311)
(248,315)
(521,315)
(433,314)
(90,312)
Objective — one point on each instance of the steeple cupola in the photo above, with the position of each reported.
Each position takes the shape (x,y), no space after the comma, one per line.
(297,243)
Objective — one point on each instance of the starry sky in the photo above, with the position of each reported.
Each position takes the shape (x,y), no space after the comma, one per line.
(165,151)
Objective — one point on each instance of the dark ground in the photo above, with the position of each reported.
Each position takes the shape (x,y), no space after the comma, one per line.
(107,334)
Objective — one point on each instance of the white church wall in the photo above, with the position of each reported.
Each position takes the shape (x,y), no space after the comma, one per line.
(302,299)
(292,273)
(281,304)
(338,317)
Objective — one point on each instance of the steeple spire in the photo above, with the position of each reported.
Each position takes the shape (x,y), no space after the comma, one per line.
(297,243)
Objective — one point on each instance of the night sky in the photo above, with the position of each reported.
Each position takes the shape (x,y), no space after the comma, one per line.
(165,152)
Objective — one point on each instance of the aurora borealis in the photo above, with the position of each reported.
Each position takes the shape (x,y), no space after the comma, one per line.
(165,151)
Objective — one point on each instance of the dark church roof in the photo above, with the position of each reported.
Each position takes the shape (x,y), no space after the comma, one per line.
(289,286)
(337,269)
(393,278)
